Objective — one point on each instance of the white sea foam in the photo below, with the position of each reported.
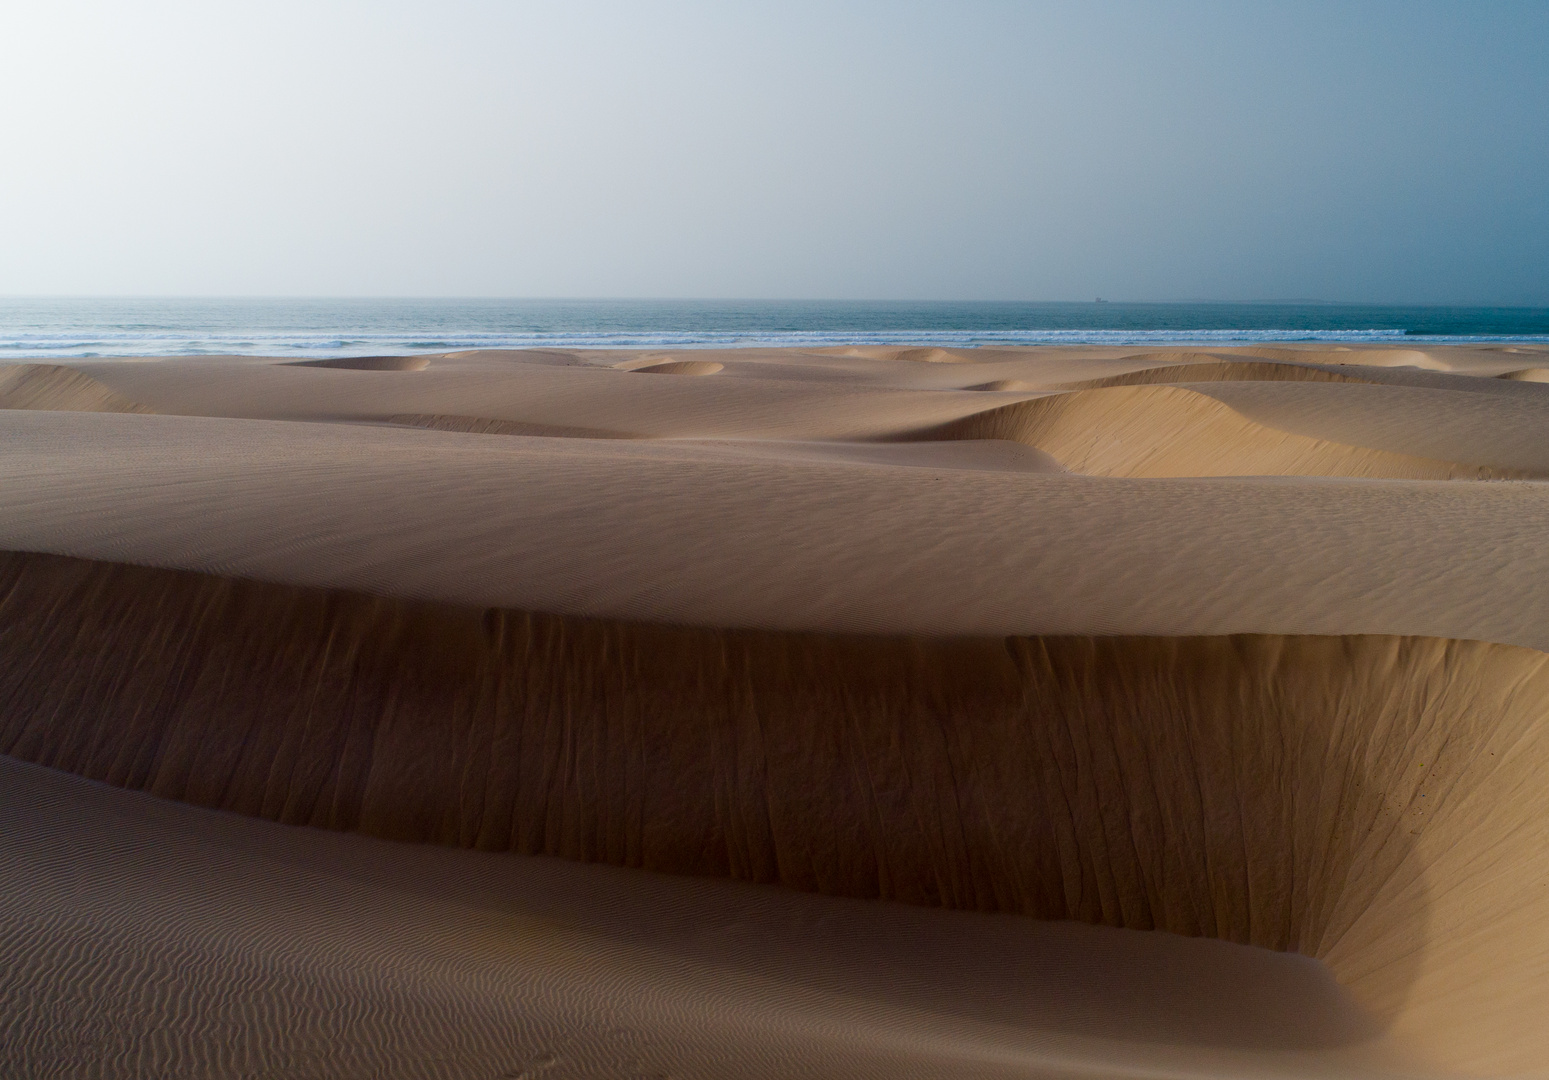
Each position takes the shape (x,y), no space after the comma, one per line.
(279,344)
(137,328)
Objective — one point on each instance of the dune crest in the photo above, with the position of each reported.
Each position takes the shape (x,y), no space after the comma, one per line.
(681,367)
(1189,369)
(1386,358)
(1532,374)
(916,355)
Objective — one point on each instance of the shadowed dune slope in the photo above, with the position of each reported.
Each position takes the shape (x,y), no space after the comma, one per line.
(479,425)
(1373,802)
(1160,431)
(1460,370)
(1391,358)
(368,363)
(58,388)
(1003,385)
(1191,367)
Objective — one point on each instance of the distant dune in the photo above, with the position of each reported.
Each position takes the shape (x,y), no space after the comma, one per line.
(1150,430)
(1241,647)
(1536,374)
(369,363)
(679,367)
(59,388)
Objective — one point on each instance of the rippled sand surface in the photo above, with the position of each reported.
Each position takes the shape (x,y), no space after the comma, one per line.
(1033,712)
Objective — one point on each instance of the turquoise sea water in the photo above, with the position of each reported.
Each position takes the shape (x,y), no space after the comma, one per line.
(33,328)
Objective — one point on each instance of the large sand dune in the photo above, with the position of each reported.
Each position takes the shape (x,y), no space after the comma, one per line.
(1238,647)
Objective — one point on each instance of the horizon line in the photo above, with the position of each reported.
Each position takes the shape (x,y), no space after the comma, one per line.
(492,297)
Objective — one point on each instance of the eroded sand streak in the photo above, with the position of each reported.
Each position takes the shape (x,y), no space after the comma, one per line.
(1292,793)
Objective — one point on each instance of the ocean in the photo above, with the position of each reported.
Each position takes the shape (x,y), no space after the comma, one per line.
(74,327)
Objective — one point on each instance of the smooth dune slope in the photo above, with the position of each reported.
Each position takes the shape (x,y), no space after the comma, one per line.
(146,938)
(1194,704)
(736,533)
(1499,436)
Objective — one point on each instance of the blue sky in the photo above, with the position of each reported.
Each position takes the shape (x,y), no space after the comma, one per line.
(1387,152)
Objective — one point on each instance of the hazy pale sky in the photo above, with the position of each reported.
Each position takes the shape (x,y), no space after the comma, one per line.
(1346,151)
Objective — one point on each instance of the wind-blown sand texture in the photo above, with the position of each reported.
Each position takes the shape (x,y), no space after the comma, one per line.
(1231,662)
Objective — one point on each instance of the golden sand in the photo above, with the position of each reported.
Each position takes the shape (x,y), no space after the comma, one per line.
(1242,647)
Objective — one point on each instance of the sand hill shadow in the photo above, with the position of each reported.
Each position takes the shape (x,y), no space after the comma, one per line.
(481,425)
(1238,788)
(367,363)
(1206,367)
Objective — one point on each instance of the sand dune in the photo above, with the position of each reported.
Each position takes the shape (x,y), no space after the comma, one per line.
(55,387)
(678,367)
(908,355)
(1140,430)
(1195,367)
(369,363)
(1241,646)
(1504,435)
(1298,794)
(677,531)
(1391,357)
(1526,375)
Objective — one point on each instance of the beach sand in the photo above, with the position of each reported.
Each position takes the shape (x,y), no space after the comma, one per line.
(860,712)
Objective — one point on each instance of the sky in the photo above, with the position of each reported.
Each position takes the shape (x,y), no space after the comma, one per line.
(1365,152)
